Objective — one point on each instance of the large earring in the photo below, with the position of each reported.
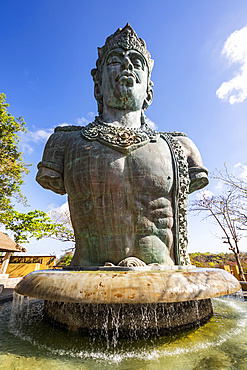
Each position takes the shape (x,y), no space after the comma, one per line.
(148,100)
(99,97)
(97,91)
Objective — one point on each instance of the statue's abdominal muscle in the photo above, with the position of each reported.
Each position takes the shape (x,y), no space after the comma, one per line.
(120,204)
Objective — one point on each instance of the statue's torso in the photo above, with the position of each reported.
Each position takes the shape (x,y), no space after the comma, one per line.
(120,204)
(127,191)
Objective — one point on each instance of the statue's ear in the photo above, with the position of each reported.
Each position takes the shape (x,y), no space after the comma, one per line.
(97,91)
(149,97)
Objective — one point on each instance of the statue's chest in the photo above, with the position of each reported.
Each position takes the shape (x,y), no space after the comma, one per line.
(93,169)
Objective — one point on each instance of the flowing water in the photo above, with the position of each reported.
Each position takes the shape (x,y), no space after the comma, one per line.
(28,342)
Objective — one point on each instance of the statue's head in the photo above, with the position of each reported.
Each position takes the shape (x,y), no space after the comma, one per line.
(122,77)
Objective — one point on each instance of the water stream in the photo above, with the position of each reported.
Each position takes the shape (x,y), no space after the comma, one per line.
(28,342)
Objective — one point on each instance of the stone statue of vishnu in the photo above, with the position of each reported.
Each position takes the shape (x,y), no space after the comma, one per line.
(127,184)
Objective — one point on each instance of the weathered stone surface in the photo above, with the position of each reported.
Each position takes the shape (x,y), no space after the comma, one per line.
(131,320)
(128,287)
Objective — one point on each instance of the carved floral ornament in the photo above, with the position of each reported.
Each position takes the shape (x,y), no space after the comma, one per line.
(121,138)
(181,194)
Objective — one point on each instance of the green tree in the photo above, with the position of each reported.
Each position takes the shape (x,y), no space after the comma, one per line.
(65,260)
(35,224)
(12,167)
(12,170)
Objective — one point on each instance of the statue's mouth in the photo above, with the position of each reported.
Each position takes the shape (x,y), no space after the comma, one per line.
(126,76)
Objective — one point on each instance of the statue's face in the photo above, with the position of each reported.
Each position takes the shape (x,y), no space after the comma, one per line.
(124,80)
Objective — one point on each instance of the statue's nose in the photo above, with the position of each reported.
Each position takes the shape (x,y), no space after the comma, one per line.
(126,64)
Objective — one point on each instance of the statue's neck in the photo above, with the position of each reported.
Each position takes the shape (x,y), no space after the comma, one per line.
(116,117)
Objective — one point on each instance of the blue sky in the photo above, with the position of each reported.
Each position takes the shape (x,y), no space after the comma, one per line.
(49,48)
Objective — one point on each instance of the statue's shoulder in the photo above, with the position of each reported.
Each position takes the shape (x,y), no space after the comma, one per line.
(70,128)
(61,135)
(181,140)
(174,133)
(187,144)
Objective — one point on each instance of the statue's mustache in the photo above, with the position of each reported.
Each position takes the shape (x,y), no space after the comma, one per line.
(128,74)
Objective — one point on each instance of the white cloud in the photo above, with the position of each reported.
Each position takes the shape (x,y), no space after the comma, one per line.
(38,136)
(63,208)
(83,121)
(151,124)
(61,215)
(51,207)
(243,174)
(237,165)
(42,135)
(235,50)
(63,124)
(26,148)
(243,168)
(219,185)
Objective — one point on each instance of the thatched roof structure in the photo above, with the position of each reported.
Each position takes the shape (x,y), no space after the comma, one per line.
(8,245)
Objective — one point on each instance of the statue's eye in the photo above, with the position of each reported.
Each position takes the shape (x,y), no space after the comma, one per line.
(114,60)
(137,63)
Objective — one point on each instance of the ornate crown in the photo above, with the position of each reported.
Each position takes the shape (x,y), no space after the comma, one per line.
(125,38)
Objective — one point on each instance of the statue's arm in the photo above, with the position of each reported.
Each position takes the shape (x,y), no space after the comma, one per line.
(50,169)
(197,172)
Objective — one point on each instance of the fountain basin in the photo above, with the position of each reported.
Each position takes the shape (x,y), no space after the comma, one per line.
(116,287)
(128,303)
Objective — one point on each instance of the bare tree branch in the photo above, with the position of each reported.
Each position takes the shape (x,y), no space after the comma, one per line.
(222,208)
(64,230)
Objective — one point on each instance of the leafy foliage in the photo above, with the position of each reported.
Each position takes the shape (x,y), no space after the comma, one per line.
(32,224)
(35,224)
(65,259)
(12,167)
(217,259)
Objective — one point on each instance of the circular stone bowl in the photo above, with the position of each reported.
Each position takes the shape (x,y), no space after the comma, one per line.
(114,287)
